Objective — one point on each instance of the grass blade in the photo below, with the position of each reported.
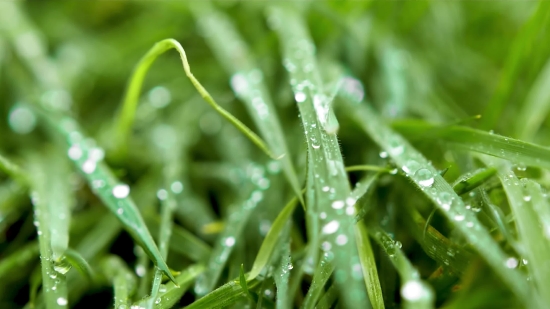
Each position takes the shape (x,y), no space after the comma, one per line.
(322,273)
(479,141)
(327,183)
(122,279)
(417,168)
(127,114)
(225,295)
(14,171)
(247,82)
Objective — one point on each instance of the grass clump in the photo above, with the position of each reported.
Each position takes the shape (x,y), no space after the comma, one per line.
(382,174)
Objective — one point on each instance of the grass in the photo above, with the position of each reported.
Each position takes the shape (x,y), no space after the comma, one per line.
(350,154)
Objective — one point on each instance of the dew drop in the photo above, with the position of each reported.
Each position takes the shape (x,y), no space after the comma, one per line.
(22,120)
(162,194)
(341,239)
(229,241)
(89,166)
(121,191)
(383,154)
(338,204)
(512,262)
(176,187)
(424,177)
(331,227)
(459,217)
(62,301)
(414,290)
(300,97)
(75,152)
(120,211)
(527,198)
(445,199)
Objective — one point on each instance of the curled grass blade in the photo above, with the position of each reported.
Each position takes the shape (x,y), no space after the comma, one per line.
(470,181)
(126,117)
(11,169)
(327,183)
(246,81)
(417,168)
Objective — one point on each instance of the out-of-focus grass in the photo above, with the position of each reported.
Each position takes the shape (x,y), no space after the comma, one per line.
(456,216)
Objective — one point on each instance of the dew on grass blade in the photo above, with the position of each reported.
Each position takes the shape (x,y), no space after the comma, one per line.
(21,119)
(121,191)
(424,177)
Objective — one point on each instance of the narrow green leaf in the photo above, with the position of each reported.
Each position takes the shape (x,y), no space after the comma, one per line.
(127,114)
(271,239)
(19,258)
(479,141)
(470,181)
(173,293)
(225,295)
(326,182)
(122,279)
(417,168)
(519,53)
(78,262)
(322,273)
(246,81)
(14,171)
(281,275)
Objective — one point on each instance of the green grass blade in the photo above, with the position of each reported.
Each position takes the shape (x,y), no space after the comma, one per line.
(78,262)
(415,292)
(127,114)
(366,255)
(226,242)
(182,241)
(268,245)
(122,279)
(54,283)
(322,273)
(327,182)
(470,181)
(247,83)
(532,232)
(173,293)
(11,169)
(281,276)
(517,55)
(417,168)
(328,299)
(225,295)
(536,106)
(115,195)
(479,141)
(18,258)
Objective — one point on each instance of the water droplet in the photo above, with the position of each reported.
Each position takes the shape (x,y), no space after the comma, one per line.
(341,239)
(512,262)
(411,167)
(459,217)
(157,301)
(121,191)
(75,152)
(445,199)
(396,147)
(338,204)
(527,198)
(300,97)
(120,211)
(383,154)
(176,187)
(315,146)
(98,183)
(414,290)
(326,188)
(22,120)
(331,227)
(159,97)
(469,224)
(229,241)
(140,270)
(323,215)
(424,177)
(89,166)
(326,246)
(350,211)
(162,194)
(62,301)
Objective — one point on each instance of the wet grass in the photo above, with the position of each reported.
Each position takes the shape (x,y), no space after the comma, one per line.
(351,154)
